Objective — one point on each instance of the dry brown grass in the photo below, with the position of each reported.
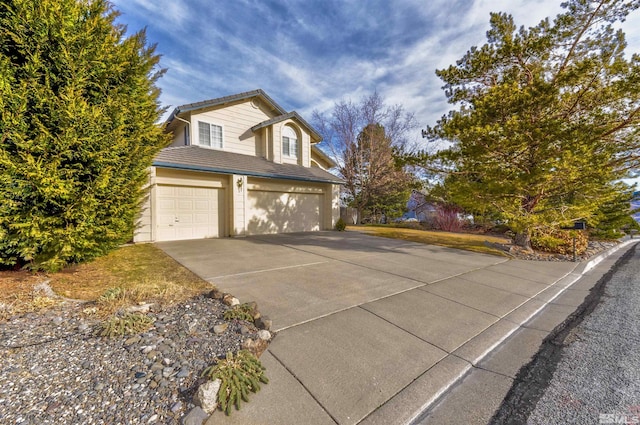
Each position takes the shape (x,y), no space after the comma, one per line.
(18,294)
(127,276)
(466,241)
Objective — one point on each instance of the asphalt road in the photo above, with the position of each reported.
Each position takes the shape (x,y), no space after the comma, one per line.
(588,370)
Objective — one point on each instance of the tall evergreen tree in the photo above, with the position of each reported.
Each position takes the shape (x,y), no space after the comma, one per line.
(79,107)
(548,117)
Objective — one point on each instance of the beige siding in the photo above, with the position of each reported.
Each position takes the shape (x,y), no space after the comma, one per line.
(190,178)
(318,161)
(143,231)
(284,186)
(304,144)
(238,188)
(305,155)
(179,135)
(276,139)
(333,205)
(236,121)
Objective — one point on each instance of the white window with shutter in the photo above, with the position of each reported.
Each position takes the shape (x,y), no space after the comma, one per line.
(210,135)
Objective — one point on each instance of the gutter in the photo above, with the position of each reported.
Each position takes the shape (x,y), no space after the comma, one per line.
(242,172)
(187,142)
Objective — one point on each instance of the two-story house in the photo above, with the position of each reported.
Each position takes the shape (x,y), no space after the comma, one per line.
(238,165)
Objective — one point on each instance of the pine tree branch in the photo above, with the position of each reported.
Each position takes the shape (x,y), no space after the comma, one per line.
(574,45)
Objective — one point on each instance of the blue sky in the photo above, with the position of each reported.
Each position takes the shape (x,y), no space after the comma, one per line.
(309,54)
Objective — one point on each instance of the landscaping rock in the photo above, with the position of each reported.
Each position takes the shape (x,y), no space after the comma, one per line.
(92,375)
(230,300)
(176,407)
(196,416)
(216,295)
(264,323)
(255,347)
(143,308)
(133,340)
(221,328)
(593,248)
(207,396)
(264,335)
(44,289)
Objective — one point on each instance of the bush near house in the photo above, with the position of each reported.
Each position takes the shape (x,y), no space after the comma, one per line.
(78,107)
(447,218)
(559,241)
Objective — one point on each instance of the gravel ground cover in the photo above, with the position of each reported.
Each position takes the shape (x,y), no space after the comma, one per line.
(55,369)
(593,248)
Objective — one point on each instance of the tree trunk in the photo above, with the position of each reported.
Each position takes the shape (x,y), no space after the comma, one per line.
(523,239)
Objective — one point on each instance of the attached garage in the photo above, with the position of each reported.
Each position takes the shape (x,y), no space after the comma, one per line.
(186,212)
(282,212)
(197,193)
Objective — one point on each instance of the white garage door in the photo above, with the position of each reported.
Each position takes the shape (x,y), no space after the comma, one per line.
(277,212)
(189,212)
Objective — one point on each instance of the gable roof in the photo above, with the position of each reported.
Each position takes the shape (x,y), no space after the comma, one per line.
(284,115)
(323,156)
(196,158)
(225,99)
(287,116)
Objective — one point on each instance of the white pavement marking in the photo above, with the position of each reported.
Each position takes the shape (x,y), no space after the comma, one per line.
(266,270)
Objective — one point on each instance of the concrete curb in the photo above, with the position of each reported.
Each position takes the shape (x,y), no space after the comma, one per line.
(563,284)
(584,268)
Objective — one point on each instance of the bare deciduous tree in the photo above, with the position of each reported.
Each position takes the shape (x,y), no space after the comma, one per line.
(362,137)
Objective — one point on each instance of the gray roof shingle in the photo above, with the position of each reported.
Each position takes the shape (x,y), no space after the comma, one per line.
(226,99)
(197,158)
(290,115)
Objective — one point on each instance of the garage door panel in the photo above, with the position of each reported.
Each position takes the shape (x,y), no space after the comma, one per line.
(200,192)
(166,219)
(200,218)
(185,205)
(184,219)
(183,191)
(201,205)
(189,213)
(277,212)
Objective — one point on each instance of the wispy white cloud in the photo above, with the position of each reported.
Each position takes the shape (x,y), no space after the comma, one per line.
(161,13)
(308,54)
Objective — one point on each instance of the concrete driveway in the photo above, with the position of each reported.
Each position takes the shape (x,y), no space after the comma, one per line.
(296,278)
(371,330)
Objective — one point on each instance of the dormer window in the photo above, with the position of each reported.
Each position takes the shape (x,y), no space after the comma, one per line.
(209,135)
(289,142)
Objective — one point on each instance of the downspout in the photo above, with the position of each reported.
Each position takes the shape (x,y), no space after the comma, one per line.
(188,124)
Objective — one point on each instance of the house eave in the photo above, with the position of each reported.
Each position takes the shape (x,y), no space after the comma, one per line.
(189,167)
(190,107)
